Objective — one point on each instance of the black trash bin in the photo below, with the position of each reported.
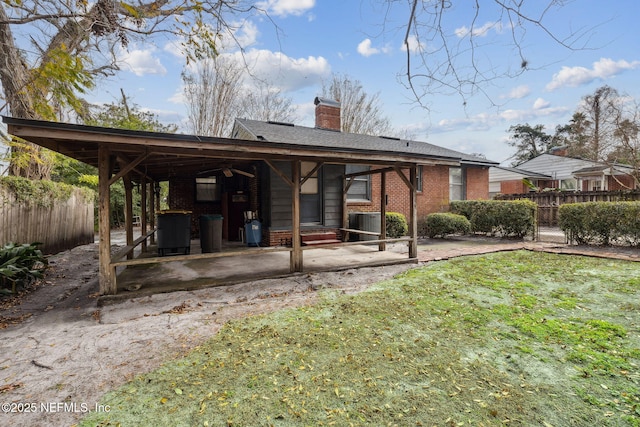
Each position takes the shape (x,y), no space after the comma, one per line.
(174,232)
(211,233)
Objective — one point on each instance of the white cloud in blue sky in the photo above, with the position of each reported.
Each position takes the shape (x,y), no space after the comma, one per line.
(141,62)
(283,8)
(601,70)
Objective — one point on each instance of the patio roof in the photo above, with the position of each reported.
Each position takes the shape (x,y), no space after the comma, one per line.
(148,157)
(158,156)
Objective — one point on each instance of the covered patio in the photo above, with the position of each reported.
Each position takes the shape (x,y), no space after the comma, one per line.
(146,159)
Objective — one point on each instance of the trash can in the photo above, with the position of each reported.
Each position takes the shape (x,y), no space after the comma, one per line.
(211,233)
(253,232)
(174,232)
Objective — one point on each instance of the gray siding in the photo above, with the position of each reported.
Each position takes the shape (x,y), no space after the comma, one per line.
(332,183)
(279,200)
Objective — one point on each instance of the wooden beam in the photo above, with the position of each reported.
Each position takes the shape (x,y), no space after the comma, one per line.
(278,172)
(310,174)
(382,246)
(128,167)
(404,177)
(296,264)
(413,220)
(106,273)
(369,172)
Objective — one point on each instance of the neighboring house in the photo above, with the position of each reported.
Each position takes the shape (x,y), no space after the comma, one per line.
(506,180)
(553,171)
(449,175)
(606,178)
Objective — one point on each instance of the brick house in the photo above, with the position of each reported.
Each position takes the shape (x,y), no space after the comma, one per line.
(555,170)
(448,175)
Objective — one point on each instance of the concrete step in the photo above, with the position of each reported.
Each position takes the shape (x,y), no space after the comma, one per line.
(321,242)
(321,235)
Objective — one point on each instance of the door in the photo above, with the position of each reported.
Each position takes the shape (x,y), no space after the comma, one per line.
(310,195)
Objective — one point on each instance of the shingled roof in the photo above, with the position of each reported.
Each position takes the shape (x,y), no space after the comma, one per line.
(308,136)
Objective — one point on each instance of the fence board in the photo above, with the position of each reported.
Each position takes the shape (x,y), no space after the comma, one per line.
(62,226)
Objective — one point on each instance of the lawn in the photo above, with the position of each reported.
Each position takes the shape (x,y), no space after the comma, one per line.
(515,338)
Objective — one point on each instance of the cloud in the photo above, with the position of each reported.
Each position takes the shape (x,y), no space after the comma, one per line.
(415,46)
(483,31)
(486,121)
(141,62)
(540,104)
(577,76)
(284,8)
(365,49)
(285,73)
(518,92)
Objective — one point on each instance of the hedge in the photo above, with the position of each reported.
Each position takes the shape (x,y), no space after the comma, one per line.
(508,218)
(601,223)
(443,224)
(396,225)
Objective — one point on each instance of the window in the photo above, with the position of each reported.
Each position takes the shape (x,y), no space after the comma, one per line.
(360,189)
(207,189)
(419,178)
(455,184)
(568,184)
(311,185)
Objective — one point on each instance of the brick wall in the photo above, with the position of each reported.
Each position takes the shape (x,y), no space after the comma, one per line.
(515,186)
(182,196)
(434,196)
(621,182)
(477,183)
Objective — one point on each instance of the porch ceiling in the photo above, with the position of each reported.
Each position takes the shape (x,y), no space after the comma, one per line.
(158,156)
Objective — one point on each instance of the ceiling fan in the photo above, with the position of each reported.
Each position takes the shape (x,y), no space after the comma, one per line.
(228,171)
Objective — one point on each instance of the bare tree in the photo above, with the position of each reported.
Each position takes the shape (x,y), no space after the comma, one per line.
(65,45)
(444,57)
(591,132)
(360,112)
(211,95)
(266,103)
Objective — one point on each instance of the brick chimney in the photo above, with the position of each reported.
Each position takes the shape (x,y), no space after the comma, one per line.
(327,114)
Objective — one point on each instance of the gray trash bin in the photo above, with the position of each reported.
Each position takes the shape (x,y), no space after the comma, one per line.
(211,233)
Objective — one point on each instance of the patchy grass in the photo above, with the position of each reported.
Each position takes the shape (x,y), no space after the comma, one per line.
(518,338)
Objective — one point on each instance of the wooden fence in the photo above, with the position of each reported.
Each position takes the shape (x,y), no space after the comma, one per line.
(62,226)
(548,202)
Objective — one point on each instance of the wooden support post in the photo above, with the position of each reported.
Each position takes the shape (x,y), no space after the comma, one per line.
(152,209)
(105,275)
(382,246)
(296,254)
(413,221)
(128,211)
(143,211)
(345,208)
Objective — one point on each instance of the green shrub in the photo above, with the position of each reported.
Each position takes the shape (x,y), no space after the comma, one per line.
(20,265)
(396,225)
(443,224)
(514,218)
(601,223)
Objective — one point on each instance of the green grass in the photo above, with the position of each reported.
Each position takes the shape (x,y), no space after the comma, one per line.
(518,338)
